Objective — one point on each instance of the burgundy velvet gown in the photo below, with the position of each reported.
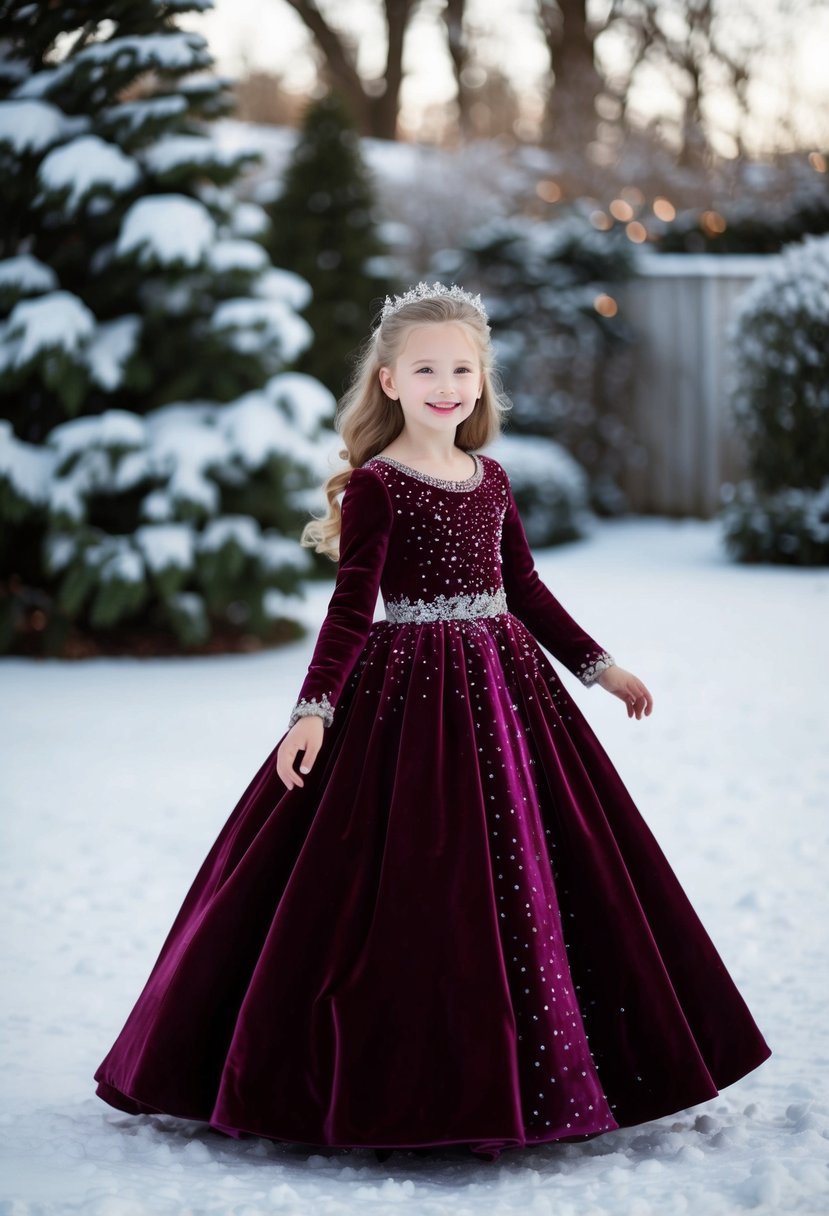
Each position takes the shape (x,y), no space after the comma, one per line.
(461,930)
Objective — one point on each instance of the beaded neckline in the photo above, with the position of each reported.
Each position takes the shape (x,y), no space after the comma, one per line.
(468,483)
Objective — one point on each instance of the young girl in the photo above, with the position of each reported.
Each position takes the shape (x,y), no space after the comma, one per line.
(435,916)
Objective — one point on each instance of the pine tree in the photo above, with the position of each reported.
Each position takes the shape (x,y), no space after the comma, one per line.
(151,444)
(324,228)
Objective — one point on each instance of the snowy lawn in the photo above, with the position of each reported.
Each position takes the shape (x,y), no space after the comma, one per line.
(118,774)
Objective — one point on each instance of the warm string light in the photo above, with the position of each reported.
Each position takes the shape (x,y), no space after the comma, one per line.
(625,208)
(548,190)
(712,223)
(605,305)
(621,210)
(664,209)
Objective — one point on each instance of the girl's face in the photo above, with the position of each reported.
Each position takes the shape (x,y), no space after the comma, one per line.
(436,377)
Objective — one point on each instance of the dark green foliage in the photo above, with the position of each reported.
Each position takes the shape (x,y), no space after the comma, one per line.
(781,407)
(325,229)
(750,228)
(565,365)
(147,438)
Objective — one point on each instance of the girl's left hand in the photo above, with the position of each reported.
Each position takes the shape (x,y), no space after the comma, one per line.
(628,688)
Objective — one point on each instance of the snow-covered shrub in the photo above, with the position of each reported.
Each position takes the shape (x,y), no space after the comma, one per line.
(780,403)
(562,345)
(550,487)
(149,518)
(155,450)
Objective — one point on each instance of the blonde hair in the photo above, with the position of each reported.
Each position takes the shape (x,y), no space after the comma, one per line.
(368,420)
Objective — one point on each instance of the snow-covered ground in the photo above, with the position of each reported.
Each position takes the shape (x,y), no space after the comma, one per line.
(117,775)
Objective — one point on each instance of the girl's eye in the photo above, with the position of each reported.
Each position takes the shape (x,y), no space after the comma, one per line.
(424,369)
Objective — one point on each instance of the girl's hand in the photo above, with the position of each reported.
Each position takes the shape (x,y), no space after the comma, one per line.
(306,735)
(628,688)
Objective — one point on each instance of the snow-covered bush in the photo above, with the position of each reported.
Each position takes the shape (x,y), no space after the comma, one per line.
(550,487)
(563,348)
(155,450)
(780,403)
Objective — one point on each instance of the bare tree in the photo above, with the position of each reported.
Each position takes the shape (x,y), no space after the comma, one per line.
(706,52)
(686,40)
(571,104)
(458,44)
(374,103)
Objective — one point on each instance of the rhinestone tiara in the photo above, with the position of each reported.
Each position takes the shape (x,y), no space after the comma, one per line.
(430,291)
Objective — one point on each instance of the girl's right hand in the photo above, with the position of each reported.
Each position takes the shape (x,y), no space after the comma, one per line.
(306,735)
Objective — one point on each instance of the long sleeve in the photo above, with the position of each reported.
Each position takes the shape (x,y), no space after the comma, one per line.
(531,601)
(367,515)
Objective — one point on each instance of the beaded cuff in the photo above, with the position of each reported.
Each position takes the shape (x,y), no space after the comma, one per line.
(589,671)
(306,707)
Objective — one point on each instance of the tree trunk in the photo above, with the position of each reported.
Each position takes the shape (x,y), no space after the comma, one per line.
(570,121)
(453,15)
(383,110)
(375,110)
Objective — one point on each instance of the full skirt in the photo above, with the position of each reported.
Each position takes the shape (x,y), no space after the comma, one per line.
(460,931)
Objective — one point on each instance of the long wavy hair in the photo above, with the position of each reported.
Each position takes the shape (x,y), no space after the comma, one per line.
(367,420)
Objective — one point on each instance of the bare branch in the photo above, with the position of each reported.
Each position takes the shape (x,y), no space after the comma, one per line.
(339,62)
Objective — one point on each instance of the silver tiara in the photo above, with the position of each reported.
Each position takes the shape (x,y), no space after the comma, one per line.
(430,291)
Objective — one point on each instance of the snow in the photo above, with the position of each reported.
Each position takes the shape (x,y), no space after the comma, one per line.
(111,429)
(279,284)
(166,545)
(310,403)
(249,219)
(257,431)
(182,151)
(57,321)
(110,348)
(133,115)
(241,530)
(119,773)
(167,229)
(238,254)
(174,52)
(26,468)
(186,442)
(118,559)
(84,167)
(44,81)
(252,325)
(30,126)
(27,274)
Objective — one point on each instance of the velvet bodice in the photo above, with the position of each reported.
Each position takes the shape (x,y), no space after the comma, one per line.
(437,551)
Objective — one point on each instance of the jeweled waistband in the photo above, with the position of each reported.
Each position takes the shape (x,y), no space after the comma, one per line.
(447,607)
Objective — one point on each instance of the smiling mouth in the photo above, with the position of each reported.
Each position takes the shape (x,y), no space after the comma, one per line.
(444,407)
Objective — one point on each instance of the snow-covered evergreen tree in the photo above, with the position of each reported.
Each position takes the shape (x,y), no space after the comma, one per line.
(325,229)
(153,447)
(780,401)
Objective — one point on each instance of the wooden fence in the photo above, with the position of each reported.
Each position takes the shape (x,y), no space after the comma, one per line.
(680,306)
